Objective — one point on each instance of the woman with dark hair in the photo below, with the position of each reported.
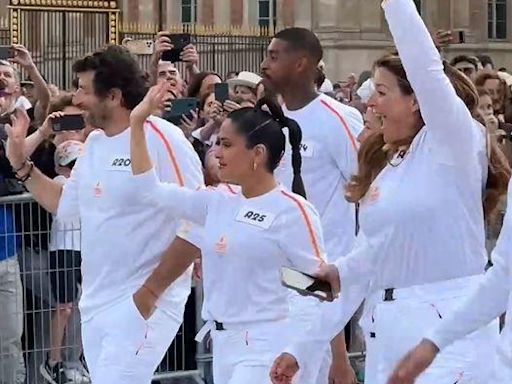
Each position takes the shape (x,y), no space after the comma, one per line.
(202,83)
(421,245)
(248,235)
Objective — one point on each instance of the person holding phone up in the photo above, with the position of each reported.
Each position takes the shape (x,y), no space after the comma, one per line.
(18,54)
(247,236)
(420,250)
(188,55)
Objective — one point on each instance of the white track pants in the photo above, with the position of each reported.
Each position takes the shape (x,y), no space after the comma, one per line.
(392,328)
(120,347)
(303,310)
(245,354)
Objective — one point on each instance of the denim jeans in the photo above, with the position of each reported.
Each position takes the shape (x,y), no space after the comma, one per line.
(12,366)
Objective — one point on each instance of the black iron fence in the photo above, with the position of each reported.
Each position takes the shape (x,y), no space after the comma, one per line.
(59,32)
(221,51)
(65,37)
(5,36)
(58,35)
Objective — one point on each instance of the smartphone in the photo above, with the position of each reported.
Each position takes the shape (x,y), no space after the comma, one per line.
(139,47)
(68,123)
(181,107)
(6,52)
(179,42)
(221,91)
(305,284)
(459,37)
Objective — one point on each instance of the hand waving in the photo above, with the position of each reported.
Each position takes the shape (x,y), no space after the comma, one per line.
(155,97)
(16,134)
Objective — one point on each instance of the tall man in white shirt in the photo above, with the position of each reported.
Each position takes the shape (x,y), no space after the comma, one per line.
(123,239)
(329,151)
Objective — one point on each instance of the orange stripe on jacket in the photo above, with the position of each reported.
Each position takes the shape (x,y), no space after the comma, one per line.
(230,189)
(170,152)
(312,236)
(343,123)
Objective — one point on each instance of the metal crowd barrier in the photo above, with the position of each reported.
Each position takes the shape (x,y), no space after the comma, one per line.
(26,323)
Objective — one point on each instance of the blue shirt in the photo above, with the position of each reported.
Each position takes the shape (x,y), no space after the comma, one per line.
(7,233)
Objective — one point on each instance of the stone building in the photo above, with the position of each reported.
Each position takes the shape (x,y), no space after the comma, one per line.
(353,32)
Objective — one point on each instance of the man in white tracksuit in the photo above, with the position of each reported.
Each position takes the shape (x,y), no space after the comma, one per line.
(329,157)
(123,239)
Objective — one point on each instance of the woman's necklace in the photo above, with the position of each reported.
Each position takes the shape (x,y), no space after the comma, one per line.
(398,156)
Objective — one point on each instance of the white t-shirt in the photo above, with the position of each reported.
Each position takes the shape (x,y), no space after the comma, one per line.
(245,243)
(329,158)
(64,234)
(23,103)
(123,237)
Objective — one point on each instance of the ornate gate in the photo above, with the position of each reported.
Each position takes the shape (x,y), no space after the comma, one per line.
(57,32)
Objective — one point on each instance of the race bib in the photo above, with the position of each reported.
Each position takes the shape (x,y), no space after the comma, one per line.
(255,217)
(120,163)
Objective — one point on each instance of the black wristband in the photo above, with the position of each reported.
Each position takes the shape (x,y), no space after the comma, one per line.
(22,166)
(27,175)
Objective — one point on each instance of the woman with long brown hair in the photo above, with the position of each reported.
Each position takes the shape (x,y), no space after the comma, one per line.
(421,245)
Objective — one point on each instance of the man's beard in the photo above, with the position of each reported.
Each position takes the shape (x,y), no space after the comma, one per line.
(96,120)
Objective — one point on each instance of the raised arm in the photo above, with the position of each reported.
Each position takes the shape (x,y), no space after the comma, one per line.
(24,59)
(445,114)
(44,190)
(182,202)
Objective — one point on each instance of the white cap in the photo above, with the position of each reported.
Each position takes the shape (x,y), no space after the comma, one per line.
(506,77)
(67,152)
(247,79)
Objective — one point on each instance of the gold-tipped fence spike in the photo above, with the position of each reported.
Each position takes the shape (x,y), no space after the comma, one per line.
(196,29)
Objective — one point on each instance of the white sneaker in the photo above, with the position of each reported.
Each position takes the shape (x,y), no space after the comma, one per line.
(74,374)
